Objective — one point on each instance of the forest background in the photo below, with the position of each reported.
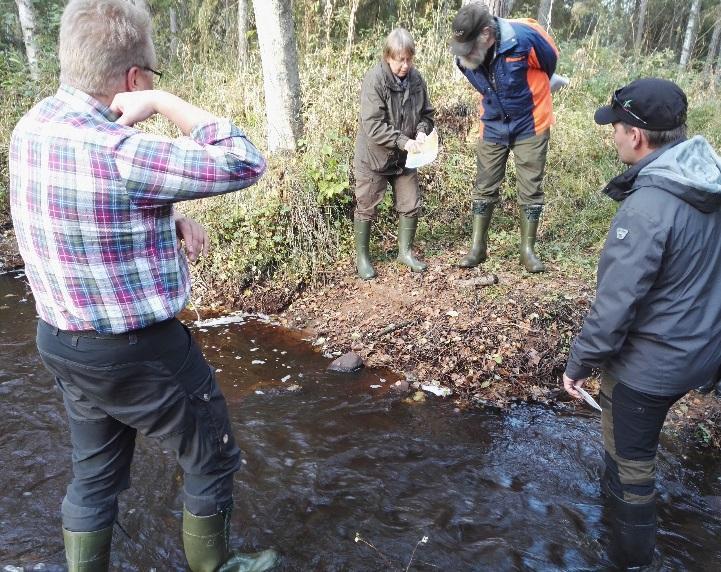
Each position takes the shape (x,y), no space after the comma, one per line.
(292,232)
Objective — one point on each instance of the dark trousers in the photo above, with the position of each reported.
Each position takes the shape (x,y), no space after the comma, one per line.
(631,423)
(371,188)
(155,381)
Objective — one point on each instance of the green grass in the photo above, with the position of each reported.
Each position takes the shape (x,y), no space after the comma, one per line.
(297,221)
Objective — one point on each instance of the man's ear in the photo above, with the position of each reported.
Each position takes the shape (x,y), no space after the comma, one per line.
(639,137)
(133,80)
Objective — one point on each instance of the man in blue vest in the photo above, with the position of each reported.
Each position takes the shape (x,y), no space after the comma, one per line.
(510,63)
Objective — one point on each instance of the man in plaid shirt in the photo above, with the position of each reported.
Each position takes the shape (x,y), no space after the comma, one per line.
(92,203)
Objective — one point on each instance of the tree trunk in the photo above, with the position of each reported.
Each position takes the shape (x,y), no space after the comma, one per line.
(28,23)
(351,30)
(690,36)
(497,7)
(173,32)
(714,45)
(328,19)
(640,26)
(279,56)
(242,33)
(544,13)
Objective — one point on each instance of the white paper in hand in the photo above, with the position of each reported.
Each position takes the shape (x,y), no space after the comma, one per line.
(587,398)
(427,154)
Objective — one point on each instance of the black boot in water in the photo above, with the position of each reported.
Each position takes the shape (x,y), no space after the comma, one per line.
(633,533)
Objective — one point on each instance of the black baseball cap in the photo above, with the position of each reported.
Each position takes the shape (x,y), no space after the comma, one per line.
(467,26)
(649,103)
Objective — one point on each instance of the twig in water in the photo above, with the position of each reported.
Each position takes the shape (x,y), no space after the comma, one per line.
(359,538)
(421,541)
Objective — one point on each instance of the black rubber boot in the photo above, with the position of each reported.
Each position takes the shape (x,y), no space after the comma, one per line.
(530,217)
(482,214)
(88,551)
(406,235)
(362,231)
(206,540)
(633,533)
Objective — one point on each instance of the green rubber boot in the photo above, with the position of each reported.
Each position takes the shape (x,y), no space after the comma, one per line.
(206,542)
(530,216)
(88,551)
(362,231)
(406,235)
(482,214)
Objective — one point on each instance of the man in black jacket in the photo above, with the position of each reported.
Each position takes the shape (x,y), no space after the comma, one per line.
(654,329)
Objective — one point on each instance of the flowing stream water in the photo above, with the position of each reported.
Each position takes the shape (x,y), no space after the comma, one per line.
(341,474)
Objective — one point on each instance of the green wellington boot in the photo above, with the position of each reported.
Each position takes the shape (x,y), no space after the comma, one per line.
(206,542)
(406,235)
(362,231)
(530,216)
(88,551)
(482,213)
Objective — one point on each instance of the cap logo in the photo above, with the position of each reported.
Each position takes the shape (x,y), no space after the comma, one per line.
(621,233)
(627,103)
(459,32)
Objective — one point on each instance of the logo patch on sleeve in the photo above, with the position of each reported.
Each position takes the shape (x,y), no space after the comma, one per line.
(621,233)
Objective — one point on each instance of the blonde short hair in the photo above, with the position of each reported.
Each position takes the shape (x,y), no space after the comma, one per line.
(100,40)
(398,42)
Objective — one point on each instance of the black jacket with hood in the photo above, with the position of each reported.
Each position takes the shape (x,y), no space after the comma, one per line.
(655,324)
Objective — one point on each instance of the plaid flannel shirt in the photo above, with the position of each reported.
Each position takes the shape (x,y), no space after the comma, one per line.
(92,205)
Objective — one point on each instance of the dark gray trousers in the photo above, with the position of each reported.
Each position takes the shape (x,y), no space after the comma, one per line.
(155,381)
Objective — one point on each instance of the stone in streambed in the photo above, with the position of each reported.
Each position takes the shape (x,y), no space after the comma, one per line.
(347,363)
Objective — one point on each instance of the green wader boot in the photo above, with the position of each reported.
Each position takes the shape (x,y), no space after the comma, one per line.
(482,213)
(88,551)
(362,231)
(206,542)
(406,235)
(530,216)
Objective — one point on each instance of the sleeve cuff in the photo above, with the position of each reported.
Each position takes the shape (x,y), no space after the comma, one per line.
(401,143)
(213,131)
(577,371)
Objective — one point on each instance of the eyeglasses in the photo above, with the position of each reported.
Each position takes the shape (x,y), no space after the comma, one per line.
(626,107)
(154,72)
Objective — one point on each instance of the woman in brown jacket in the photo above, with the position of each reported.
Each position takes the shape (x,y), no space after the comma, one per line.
(395,117)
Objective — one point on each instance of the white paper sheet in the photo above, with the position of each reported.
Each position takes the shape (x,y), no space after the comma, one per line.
(428,154)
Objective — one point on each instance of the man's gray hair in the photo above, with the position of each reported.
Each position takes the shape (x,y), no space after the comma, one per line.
(100,40)
(658,139)
(398,42)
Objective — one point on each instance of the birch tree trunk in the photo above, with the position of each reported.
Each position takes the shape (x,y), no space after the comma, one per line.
(714,45)
(173,32)
(328,19)
(279,56)
(544,13)
(351,30)
(28,23)
(690,36)
(242,33)
(640,26)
